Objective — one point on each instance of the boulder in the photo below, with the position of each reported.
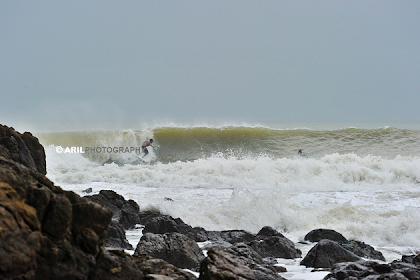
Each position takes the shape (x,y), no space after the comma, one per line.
(174,248)
(219,265)
(414,259)
(245,251)
(275,246)
(326,253)
(46,232)
(319,234)
(222,245)
(116,236)
(231,236)
(363,250)
(22,148)
(373,270)
(268,232)
(126,212)
(115,265)
(254,261)
(151,266)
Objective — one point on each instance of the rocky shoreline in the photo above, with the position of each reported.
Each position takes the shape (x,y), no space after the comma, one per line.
(49,233)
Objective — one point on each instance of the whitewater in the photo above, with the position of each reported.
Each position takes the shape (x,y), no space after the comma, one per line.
(361,180)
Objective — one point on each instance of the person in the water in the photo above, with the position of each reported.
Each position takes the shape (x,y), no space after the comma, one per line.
(301,154)
(145,145)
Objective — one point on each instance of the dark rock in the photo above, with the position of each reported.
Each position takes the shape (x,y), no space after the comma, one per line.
(130,214)
(277,247)
(217,244)
(262,273)
(409,270)
(47,233)
(116,237)
(88,190)
(22,148)
(160,224)
(387,276)
(414,259)
(151,266)
(243,250)
(174,248)
(366,270)
(346,270)
(231,236)
(357,247)
(280,269)
(268,232)
(145,216)
(223,265)
(254,261)
(319,234)
(37,151)
(124,211)
(200,234)
(326,253)
(115,265)
(363,250)
(165,224)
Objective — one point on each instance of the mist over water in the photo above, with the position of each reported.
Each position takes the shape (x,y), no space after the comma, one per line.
(362,182)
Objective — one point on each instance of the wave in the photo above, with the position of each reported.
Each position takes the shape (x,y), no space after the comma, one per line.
(363,183)
(369,197)
(177,143)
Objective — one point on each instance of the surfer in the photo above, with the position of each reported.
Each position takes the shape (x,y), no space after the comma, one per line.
(145,145)
(301,154)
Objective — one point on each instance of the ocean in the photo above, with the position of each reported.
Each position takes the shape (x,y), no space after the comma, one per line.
(360,179)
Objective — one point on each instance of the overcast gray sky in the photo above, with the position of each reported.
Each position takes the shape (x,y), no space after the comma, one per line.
(210,60)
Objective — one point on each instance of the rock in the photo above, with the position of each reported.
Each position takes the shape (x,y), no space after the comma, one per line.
(49,233)
(174,248)
(223,265)
(410,270)
(345,270)
(268,232)
(88,190)
(145,216)
(231,236)
(217,244)
(165,224)
(357,247)
(124,211)
(22,148)
(115,265)
(116,237)
(326,253)
(155,222)
(37,152)
(372,270)
(46,232)
(275,246)
(245,251)
(414,259)
(130,214)
(124,216)
(319,234)
(363,250)
(151,266)
(254,261)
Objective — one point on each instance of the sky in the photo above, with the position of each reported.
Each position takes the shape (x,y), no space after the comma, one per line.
(210,60)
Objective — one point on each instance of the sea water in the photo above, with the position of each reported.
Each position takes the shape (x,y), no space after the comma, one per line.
(360,179)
